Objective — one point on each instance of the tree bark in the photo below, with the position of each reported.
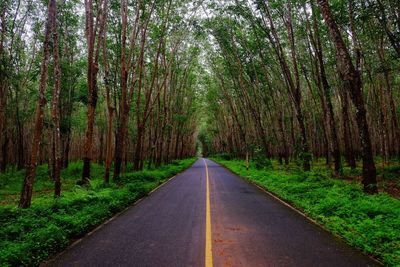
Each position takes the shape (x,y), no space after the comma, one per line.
(55,112)
(348,145)
(353,82)
(27,188)
(110,109)
(93,68)
(327,97)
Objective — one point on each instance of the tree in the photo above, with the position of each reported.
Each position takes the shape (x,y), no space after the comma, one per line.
(26,194)
(92,31)
(353,83)
(55,112)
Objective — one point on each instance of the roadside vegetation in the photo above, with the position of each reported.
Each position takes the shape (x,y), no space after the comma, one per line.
(368,222)
(28,236)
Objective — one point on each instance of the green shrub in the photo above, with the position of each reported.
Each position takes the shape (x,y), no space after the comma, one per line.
(262,163)
(223,156)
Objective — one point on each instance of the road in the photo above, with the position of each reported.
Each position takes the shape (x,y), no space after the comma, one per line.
(207,216)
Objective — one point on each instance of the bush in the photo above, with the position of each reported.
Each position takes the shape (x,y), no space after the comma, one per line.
(262,163)
(223,156)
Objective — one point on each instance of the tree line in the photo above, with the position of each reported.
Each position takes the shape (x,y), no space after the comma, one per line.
(111,81)
(301,79)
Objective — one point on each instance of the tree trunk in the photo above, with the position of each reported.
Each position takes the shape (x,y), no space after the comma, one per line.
(138,149)
(67,147)
(120,142)
(352,80)
(109,144)
(21,150)
(55,114)
(124,107)
(292,79)
(26,193)
(327,97)
(93,68)
(110,109)
(348,145)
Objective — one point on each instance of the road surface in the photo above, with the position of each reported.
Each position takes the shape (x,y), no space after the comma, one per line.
(207,216)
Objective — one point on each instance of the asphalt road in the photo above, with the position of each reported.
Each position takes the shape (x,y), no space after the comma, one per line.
(247,228)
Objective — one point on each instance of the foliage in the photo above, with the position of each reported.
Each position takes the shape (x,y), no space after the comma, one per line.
(262,163)
(28,236)
(224,156)
(369,222)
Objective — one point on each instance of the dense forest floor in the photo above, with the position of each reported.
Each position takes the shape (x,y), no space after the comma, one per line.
(369,222)
(29,236)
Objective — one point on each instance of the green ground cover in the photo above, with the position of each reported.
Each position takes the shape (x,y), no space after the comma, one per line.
(29,236)
(368,222)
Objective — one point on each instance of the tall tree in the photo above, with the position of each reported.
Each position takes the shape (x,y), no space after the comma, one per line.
(93,31)
(353,83)
(26,194)
(55,112)
(129,69)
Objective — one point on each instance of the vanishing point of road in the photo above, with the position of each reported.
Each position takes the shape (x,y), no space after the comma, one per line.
(207,216)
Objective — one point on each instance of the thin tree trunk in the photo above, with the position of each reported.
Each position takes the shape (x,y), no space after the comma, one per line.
(20,133)
(138,148)
(292,79)
(27,188)
(327,97)
(124,107)
(93,68)
(348,145)
(67,147)
(108,143)
(353,83)
(55,113)
(110,109)
(101,147)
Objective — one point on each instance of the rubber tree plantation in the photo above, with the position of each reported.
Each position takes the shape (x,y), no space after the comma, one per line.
(101,101)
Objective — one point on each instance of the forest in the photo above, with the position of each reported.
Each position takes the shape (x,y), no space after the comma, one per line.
(105,99)
(288,85)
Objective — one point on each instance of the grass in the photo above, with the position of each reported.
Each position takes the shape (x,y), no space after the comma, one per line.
(368,222)
(29,236)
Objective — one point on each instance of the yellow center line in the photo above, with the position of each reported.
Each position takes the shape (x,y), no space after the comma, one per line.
(208,254)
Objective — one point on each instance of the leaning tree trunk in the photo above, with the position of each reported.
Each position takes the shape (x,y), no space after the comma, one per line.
(296,92)
(26,193)
(353,83)
(326,94)
(291,77)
